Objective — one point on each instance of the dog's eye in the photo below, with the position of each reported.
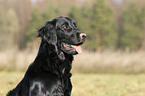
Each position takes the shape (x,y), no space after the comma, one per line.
(65,27)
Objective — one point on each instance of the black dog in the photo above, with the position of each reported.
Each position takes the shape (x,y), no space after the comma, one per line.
(49,74)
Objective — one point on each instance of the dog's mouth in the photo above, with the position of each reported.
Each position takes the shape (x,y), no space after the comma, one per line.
(71,49)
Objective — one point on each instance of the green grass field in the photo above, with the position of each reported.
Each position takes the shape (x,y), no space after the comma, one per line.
(89,84)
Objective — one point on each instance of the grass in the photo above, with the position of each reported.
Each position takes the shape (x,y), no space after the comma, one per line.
(87,62)
(89,84)
(110,62)
(14,59)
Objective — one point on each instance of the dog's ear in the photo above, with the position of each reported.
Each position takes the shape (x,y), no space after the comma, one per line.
(48,33)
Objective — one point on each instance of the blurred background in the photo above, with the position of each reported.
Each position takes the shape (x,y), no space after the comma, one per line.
(115,45)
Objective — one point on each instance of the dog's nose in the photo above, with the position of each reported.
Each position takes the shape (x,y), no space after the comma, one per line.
(83,35)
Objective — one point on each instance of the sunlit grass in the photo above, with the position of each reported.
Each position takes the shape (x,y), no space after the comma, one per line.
(108,85)
(8,81)
(89,84)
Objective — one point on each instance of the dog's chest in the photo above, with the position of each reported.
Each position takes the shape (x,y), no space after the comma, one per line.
(50,88)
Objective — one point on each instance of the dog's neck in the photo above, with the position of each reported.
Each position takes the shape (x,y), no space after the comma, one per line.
(51,61)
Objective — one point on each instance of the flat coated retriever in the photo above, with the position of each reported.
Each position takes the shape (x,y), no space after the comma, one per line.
(49,74)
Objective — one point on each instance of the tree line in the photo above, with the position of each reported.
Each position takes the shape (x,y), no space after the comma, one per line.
(108,24)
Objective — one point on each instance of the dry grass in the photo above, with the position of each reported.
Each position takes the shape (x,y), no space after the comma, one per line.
(110,61)
(106,62)
(16,60)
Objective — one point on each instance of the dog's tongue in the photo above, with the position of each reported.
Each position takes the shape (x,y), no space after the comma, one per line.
(78,49)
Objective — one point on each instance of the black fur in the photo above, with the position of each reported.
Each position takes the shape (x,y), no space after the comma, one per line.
(49,74)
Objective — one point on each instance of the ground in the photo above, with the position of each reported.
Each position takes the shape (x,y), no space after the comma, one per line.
(89,84)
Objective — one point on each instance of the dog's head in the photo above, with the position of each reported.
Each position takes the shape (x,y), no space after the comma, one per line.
(62,33)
